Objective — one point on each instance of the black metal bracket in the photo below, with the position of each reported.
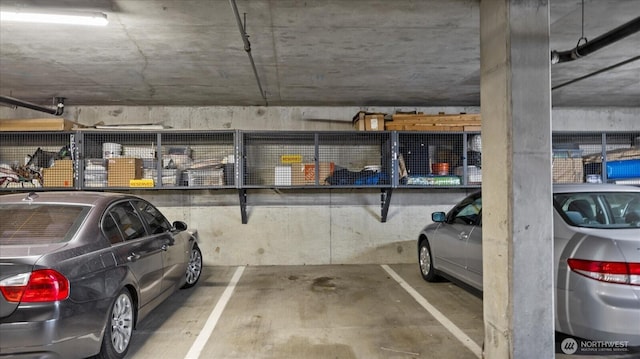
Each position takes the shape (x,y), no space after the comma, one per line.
(242,193)
(385,199)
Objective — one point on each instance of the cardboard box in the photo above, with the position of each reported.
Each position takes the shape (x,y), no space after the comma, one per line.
(305,173)
(57,177)
(63,164)
(364,121)
(568,170)
(282,176)
(38,124)
(123,169)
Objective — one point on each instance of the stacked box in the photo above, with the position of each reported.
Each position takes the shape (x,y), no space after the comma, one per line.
(95,172)
(568,170)
(58,175)
(121,170)
(305,173)
(364,121)
(53,177)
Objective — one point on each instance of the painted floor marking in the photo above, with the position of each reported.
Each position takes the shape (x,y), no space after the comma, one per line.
(457,332)
(210,325)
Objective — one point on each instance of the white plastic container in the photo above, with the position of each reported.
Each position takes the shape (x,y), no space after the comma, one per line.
(111,150)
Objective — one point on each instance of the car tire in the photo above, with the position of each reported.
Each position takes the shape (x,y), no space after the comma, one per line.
(194,267)
(425,261)
(119,328)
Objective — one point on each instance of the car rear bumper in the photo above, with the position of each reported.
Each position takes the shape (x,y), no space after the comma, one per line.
(53,330)
(601,311)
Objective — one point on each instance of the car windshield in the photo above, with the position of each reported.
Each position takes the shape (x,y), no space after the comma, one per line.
(599,209)
(39,223)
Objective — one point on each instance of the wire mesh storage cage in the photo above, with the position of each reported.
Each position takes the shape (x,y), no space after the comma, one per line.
(596,157)
(197,159)
(182,159)
(153,160)
(439,159)
(271,158)
(41,159)
(116,159)
(360,159)
(307,159)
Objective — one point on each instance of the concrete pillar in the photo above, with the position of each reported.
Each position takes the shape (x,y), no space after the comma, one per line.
(516,149)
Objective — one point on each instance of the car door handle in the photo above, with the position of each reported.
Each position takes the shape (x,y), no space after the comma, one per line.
(133,257)
(463,236)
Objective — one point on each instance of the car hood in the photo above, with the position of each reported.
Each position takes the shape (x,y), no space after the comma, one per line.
(431,227)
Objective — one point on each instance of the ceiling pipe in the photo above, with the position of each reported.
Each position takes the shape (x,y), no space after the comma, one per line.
(608,68)
(596,44)
(247,47)
(58,103)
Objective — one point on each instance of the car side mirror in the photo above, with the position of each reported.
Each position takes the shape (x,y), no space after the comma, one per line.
(180,226)
(438,217)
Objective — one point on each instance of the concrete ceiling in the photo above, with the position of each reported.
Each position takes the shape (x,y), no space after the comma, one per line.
(307,53)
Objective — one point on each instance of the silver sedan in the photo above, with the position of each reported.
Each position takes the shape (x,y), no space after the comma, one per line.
(78,270)
(596,252)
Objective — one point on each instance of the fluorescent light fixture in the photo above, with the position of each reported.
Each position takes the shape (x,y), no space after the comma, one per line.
(71,18)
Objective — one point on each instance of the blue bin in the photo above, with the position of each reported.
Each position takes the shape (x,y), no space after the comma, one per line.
(623,169)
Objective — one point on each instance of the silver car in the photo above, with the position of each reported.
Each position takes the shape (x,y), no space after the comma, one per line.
(596,252)
(78,270)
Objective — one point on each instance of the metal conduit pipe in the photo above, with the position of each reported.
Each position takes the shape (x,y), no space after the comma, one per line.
(247,46)
(58,103)
(599,42)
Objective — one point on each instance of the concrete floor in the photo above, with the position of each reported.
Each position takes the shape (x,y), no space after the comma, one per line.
(329,311)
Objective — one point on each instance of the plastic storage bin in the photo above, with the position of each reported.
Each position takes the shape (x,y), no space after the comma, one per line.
(623,169)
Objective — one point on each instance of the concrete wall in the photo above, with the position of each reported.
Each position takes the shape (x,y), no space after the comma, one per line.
(310,226)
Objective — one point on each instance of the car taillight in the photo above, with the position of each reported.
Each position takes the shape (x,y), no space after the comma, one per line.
(45,285)
(612,272)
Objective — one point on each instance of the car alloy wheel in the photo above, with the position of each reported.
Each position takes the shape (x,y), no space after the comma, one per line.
(194,267)
(121,323)
(426,262)
(119,328)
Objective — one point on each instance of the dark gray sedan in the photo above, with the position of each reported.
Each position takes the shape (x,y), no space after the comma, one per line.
(596,257)
(78,270)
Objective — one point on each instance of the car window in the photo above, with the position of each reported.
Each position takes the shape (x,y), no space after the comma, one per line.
(111,230)
(127,220)
(156,221)
(599,209)
(468,212)
(39,223)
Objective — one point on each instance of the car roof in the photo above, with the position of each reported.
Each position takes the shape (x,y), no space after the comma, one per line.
(593,187)
(67,197)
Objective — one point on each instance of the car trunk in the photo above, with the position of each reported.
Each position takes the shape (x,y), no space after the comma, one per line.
(15,260)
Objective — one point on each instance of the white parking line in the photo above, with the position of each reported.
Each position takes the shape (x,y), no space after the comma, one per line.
(457,332)
(210,325)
